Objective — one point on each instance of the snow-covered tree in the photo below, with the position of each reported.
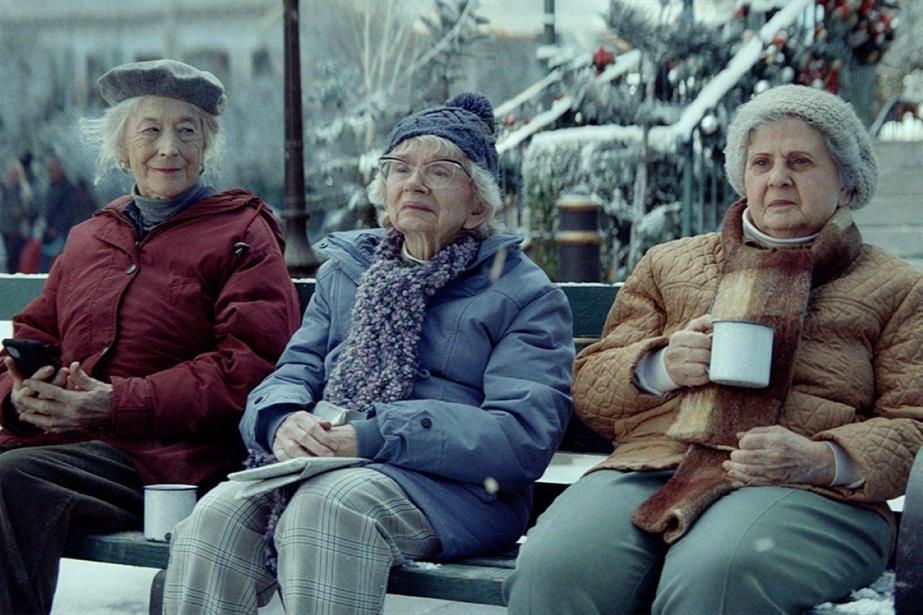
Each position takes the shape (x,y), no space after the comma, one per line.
(32,92)
(902,65)
(620,128)
(38,117)
(636,179)
(254,149)
(370,69)
(907,50)
(457,27)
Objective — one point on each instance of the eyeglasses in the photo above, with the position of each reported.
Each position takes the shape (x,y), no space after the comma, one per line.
(435,174)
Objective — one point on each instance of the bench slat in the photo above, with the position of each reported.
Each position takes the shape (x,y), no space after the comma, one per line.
(472,580)
(129,548)
(581,439)
(507,559)
(18,290)
(457,581)
(590,304)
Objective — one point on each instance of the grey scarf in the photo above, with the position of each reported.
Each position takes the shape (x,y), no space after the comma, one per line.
(146,213)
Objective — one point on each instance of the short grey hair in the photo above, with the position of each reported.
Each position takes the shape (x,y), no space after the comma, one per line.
(488,192)
(843,133)
(107,133)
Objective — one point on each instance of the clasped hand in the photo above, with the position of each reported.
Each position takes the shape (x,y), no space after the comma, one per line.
(304,435)
(69,400)
(774,455)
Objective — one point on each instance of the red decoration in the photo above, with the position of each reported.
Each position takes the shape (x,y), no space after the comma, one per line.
(867,25)
(602,58)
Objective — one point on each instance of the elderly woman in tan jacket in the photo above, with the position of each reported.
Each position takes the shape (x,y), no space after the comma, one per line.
(721,499)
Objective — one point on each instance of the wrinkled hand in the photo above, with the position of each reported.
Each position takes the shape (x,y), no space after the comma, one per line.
(72,401)
(687,355)
(304,435)
(774,455)
(347,442)
(21,391)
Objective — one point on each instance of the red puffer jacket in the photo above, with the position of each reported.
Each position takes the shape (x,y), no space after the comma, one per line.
(183,325)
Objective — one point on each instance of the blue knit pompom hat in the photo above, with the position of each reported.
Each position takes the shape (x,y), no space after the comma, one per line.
(467,120)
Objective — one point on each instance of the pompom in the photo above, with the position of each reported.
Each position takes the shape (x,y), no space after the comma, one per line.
(476,104)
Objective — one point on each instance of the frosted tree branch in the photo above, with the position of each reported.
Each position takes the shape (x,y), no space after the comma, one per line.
(448,38)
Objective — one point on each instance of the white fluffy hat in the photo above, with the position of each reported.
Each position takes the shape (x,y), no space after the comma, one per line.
(846,137)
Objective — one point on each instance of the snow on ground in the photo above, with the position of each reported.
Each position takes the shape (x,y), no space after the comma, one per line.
(876,599)
(92,588)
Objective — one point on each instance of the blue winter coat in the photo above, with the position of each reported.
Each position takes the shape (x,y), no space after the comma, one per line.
(491,399)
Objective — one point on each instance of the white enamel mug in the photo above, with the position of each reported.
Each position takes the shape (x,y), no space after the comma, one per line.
(741,353)
(164,507)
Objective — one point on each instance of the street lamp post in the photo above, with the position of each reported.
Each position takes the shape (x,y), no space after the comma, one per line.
(548,39)
(299,257)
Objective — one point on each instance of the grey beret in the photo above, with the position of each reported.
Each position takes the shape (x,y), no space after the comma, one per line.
(846,137)
(167,78)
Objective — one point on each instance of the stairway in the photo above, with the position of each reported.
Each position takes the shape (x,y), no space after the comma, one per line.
(894,218)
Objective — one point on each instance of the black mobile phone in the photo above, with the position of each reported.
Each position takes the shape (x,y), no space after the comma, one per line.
(30,355)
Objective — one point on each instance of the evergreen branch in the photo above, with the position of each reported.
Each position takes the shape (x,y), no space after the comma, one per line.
(448,38)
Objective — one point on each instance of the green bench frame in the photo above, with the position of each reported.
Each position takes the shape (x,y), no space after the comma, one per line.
(478,579)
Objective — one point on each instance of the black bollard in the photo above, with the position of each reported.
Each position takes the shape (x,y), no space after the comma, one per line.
(578,239)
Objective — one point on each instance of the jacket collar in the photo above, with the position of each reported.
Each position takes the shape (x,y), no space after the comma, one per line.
(230,200)
(222,201)
(355,250)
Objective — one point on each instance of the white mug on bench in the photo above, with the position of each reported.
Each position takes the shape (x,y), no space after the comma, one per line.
(164,507)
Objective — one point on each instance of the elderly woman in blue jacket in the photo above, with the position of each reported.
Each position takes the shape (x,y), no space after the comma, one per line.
(434,349)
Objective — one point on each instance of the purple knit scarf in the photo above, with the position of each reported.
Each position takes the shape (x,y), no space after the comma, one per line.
(380,358)
(381,352)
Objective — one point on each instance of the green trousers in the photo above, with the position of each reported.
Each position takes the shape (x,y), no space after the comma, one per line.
(756,550)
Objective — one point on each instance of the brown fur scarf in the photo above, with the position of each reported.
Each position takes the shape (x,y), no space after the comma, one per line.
(768,285)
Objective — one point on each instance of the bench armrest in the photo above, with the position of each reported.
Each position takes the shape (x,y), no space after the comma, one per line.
(909,585)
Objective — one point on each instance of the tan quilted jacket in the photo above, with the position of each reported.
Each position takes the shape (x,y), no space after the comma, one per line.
(858,374)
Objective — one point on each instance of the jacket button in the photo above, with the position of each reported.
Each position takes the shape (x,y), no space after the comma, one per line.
(131,269)
(426,422)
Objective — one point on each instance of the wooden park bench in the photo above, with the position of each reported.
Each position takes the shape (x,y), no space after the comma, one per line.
(478,579)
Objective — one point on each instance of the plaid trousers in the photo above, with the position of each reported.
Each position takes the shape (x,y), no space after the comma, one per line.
(337,540)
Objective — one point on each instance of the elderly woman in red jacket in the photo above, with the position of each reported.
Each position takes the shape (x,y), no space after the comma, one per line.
(167,307)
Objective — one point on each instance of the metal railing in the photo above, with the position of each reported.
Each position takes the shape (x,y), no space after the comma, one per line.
(889,127)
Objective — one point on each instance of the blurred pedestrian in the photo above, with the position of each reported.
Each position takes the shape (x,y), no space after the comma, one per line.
(65,206)
(16,214)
